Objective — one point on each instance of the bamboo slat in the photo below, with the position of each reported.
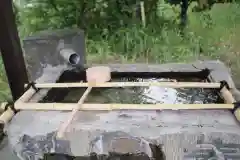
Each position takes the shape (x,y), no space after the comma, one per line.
(102,107)
(131,84)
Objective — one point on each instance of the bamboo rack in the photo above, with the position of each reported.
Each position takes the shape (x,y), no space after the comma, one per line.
(131,84)
(22,103)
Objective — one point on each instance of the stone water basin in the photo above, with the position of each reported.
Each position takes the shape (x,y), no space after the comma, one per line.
(182,134)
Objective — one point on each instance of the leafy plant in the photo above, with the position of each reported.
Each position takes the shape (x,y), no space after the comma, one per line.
(114,33)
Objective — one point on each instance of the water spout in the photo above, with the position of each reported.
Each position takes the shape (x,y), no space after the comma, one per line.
(70,56)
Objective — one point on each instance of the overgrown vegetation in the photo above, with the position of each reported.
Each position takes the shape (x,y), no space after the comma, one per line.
(114,32)
(4,89)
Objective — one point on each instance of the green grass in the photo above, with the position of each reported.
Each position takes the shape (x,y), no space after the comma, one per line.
(166,45)
(4,88)
(217,32)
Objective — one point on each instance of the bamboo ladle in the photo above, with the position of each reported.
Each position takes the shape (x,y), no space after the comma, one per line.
(99,74)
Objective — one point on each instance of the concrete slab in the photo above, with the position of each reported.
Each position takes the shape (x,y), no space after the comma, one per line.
(183,134)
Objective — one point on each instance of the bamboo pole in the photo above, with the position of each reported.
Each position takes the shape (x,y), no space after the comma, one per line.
(109,107)
(7,115)
(132,84)
(229,99)
(27,95)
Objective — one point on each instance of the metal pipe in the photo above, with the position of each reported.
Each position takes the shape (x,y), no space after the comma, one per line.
(70,56)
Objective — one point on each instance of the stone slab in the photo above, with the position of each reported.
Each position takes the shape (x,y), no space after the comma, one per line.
(183,134)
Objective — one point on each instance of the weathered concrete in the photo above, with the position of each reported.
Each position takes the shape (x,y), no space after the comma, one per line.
(43,50)
(180,132)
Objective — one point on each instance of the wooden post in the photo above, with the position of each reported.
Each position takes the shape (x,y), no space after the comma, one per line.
(11,50)
(143,16)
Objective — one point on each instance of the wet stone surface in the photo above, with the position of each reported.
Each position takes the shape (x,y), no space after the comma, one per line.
(33,148)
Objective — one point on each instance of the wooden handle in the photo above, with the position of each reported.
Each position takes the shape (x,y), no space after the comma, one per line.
(63,128)
(109,107)
(132,84)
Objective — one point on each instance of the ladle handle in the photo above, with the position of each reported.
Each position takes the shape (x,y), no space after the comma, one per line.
(63,128)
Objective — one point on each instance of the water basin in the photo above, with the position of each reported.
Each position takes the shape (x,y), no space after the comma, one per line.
(181,134)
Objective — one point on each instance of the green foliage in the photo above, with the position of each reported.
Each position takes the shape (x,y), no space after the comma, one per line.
(4,90)
(114,30)
(114,33)
(167,11)
(92,16)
